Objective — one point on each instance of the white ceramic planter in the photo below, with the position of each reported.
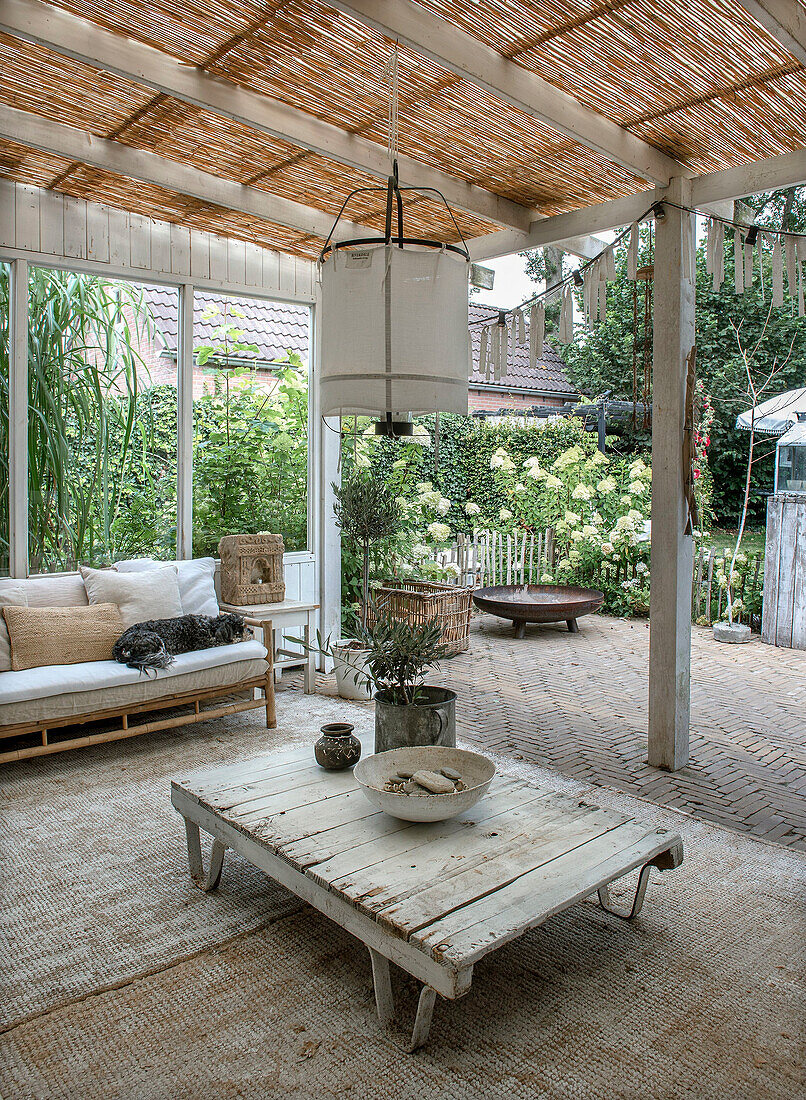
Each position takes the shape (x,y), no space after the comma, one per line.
(346,674)
(732,633)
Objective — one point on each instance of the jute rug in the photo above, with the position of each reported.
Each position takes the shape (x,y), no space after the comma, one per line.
(119,979)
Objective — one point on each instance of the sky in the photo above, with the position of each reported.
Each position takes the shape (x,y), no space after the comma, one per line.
(512,284)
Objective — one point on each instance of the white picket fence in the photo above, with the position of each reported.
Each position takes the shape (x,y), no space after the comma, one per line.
(491,557)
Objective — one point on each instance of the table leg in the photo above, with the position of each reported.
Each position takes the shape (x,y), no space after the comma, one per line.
(209,881)
(381,980)
(310,671)
(520,628)
(422,1022)
(573,626)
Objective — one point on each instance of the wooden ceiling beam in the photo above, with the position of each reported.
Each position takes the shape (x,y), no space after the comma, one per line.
(708,190)
(461,53)
(72,36)
(38,132)
(784,19)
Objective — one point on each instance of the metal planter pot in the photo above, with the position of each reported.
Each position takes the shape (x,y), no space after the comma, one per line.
(430,722)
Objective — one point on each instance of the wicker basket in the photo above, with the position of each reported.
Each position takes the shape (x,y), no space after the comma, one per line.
(422,601)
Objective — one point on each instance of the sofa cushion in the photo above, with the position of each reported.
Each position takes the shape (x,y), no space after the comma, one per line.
(101,676)
(10,596)
(196,581)
(147,595)
(105,685)
(51,590)
(61,635)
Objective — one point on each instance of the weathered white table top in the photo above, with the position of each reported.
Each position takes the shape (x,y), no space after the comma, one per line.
(433,898)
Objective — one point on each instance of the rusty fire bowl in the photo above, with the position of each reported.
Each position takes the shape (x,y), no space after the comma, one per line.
(538,603)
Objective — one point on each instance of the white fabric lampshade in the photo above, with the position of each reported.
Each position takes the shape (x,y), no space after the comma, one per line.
(394,332)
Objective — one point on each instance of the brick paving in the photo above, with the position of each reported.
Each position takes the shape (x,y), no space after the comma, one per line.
(578,703)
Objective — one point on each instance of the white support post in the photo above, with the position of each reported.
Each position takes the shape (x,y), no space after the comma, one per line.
(184,424)
(18,420)
(672,550)
(324,471)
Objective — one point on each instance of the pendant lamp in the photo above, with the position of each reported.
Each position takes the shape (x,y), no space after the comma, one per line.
(394,320)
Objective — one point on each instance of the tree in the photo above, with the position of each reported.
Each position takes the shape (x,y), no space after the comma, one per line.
(545,265)
(601,360)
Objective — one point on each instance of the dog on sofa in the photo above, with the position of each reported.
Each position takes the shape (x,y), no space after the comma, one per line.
(153,644)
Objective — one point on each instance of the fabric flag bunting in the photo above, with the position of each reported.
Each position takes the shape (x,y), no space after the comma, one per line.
(484,362)
(537,328)
(738,261)
(777,273)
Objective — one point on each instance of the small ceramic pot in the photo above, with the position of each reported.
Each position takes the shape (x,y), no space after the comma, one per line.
(338,747)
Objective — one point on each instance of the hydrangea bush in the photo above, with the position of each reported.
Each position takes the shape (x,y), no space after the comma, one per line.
(599,508)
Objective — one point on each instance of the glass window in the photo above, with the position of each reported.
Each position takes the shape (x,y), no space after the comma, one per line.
(250,439)
(102,424)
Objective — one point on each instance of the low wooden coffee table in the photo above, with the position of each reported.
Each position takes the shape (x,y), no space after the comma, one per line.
(432,898)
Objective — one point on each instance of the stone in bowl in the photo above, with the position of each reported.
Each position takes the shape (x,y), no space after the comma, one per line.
(373,771)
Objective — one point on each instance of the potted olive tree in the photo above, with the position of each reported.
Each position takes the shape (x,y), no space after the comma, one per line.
(393,659)
(368,514)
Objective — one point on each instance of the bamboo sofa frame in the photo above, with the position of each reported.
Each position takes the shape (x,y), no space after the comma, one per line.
(264,683)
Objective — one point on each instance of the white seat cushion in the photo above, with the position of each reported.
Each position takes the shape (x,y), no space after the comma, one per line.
(39,683)
(196,581)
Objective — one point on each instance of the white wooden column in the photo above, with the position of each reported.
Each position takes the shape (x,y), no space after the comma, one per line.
(672,550)
(18,420)
(184,424)
(324,536)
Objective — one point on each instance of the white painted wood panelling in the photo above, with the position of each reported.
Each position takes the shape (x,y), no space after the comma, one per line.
(48,228)
(783,620)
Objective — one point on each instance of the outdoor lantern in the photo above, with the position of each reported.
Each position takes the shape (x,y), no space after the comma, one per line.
(394,322)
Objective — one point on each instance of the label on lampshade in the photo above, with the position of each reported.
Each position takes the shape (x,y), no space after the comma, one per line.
(361,258)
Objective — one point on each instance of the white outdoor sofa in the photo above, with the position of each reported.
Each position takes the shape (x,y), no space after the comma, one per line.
(43,701)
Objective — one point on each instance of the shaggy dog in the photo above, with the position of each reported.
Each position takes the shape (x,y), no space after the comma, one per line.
(154,643)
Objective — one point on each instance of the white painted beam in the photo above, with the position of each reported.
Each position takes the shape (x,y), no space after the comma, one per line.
(48,136)
(672,549)
(507,242)
(707,192)
(785,20)
(461,53)
(184,417)
(18,420)
(85,41)
(769,174)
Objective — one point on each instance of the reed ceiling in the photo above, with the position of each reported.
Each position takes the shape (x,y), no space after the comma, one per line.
(697,79)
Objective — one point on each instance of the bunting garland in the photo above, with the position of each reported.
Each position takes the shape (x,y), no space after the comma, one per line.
(787,265)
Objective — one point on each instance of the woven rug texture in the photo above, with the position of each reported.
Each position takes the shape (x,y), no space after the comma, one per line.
(119,979)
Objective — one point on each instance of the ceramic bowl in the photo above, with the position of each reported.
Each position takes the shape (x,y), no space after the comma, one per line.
(373,771)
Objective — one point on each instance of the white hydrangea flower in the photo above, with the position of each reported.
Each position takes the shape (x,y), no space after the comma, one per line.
(607,549)
(596,519)
(589,531)
(424,486)
(599,459)
(571,518)
(472,509)
(546,578)
(642,568)
(505,514)
(362,460)
(452,569)
(606,485)
(520,487)
(438,531)
(553,482)
(443,506)
(500,460)
(581,492)
(624,523)
(574,557)
(420,551)
(536,473)
(577,536)
(637,488)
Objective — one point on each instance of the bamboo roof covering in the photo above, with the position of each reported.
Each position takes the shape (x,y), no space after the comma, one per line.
(697,79)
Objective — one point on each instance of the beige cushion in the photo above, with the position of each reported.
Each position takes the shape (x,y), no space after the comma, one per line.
(51,590)
(152,594)
(11,596)
(61,635)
